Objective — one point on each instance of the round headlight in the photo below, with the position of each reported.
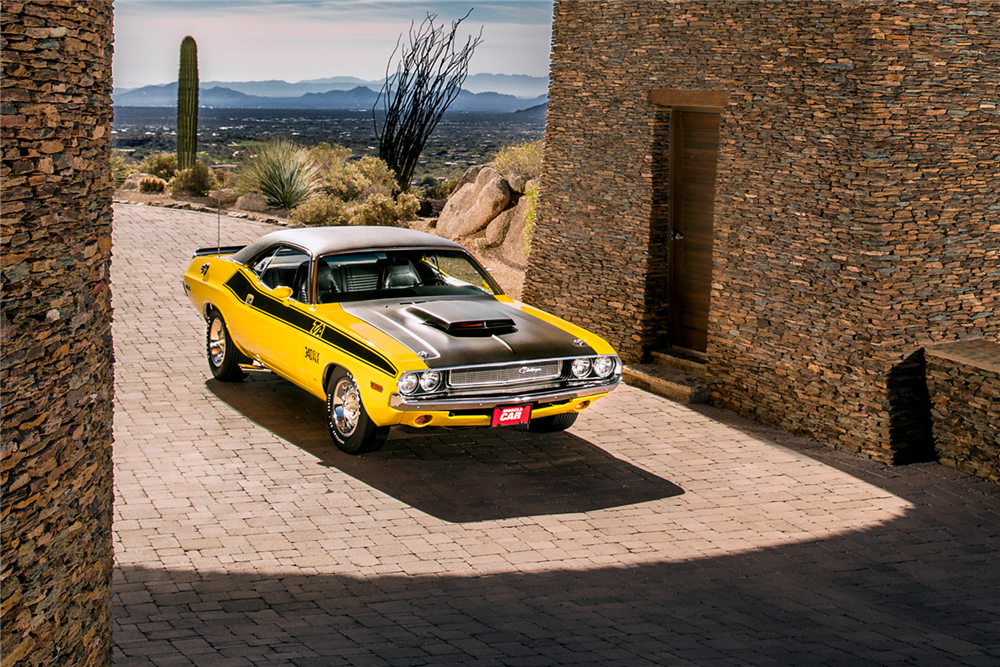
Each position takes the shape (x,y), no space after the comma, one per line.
(407,383)
(604,366)
(430,380)
(580,367)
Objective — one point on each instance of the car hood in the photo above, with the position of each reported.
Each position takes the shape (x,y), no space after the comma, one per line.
(464,331)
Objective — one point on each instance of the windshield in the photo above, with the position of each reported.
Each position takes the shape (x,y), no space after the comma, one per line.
(400,273)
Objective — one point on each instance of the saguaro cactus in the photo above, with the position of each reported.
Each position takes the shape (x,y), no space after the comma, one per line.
(187,104)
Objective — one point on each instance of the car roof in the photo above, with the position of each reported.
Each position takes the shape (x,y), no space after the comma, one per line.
(325,240)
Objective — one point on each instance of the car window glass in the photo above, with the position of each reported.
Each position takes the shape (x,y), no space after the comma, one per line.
(285,267)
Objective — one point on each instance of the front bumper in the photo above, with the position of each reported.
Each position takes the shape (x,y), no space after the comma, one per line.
(398,402)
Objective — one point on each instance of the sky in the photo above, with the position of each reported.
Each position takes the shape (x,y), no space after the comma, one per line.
(296,40)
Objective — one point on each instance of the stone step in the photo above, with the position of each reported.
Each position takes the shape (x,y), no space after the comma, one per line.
(668,382)
(694,367)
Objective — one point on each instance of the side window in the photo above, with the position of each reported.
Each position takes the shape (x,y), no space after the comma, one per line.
(284,267)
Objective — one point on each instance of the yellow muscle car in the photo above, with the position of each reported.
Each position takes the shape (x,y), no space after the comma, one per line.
(393,327)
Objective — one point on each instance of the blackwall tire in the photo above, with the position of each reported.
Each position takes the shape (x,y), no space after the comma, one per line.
(553,424)
(350,426)
(223,357)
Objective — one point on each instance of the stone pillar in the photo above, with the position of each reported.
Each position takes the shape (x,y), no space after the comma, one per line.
(57,359)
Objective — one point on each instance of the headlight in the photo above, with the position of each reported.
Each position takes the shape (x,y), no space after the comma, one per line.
(604,366)
(430,380)
(407,383)
(580,367)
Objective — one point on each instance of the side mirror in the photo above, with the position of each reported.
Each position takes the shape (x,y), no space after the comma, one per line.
(282,292)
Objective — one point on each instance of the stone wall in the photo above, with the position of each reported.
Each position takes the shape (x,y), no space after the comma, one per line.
(857,205)
(964,383)
(56,371)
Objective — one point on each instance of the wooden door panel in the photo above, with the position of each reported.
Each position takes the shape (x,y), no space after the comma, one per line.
(694,151)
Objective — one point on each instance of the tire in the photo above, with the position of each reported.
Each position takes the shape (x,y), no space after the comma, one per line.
(350,426)
(553,423)
(223,357)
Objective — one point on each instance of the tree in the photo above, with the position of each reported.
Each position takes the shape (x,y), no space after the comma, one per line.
(187,105)
(428,78)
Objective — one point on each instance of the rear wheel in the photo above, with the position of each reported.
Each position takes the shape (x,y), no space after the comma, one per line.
(350,426)
(553,423)
(223,357)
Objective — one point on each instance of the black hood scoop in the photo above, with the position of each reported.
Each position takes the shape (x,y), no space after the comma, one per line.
(464,318)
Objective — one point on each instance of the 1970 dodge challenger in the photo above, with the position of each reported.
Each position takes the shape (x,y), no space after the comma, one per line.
(393,326)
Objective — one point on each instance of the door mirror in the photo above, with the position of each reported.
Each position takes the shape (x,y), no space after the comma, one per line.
(282,292)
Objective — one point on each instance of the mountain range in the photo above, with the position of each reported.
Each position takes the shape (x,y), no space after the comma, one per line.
(499,93)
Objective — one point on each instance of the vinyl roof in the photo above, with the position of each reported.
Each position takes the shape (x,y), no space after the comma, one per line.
(325,240)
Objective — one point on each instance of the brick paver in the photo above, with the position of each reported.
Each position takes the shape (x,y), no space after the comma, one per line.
(650,533)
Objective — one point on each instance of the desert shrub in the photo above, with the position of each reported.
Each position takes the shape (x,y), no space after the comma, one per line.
(441,189)
(382,210)
(531,192)
(152,184)
(224,178)
(524,159)
(121,167)
(348,179)
(282,171)
(327,210)
(193,182)
(161,165)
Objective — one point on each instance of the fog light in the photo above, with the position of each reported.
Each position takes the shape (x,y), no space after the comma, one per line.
(422,419)
(407,383)
(430,380)
(580,367)
(583,405)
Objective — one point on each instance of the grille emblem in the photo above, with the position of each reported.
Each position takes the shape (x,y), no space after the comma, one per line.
(525,370)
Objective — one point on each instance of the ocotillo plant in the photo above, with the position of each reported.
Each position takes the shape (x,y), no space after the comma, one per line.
(187,105)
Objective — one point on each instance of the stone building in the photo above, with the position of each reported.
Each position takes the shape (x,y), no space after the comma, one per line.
(800,195)
(56,369)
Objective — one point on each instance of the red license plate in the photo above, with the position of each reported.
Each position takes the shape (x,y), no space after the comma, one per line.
(511,415)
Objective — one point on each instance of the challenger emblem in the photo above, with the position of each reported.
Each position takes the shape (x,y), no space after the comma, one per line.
(249,299)
(317,329)
(527,370)
(580,343)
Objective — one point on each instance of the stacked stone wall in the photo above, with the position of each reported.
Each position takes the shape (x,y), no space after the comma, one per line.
(56,369)
(857,210)
(964,383)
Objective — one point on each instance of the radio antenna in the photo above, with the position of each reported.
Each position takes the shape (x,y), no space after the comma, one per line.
(218,221)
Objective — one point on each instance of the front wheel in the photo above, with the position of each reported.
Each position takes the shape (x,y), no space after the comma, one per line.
(223,357)
(350,426)
(553,423)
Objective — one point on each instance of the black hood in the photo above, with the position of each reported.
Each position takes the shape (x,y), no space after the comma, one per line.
(463,331)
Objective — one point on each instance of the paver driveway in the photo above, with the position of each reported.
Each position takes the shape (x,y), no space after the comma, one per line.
(650,533)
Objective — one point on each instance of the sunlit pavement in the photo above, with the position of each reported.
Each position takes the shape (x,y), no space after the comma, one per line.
(650,533)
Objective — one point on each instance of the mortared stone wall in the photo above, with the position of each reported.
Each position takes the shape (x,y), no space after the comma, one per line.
(857,207)
(56,369)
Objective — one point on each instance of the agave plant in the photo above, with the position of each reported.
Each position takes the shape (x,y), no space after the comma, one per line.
(281,171)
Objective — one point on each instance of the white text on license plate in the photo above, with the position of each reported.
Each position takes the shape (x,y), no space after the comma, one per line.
(511,415)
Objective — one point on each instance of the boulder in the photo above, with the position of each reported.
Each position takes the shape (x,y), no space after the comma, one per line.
(517,182)
(132,182)
(469,176)
(514,243)
(252,201)
(474,205)
(496,231)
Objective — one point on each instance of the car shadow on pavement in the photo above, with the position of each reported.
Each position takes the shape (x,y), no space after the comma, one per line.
(458,476)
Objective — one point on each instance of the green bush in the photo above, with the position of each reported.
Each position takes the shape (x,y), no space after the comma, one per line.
(441,189)
(531,192)
(524,159)
(152,184)
(351,180)
(382,210)
(121,167)
(282,171)
(328,210)
(161,165)
(193,182)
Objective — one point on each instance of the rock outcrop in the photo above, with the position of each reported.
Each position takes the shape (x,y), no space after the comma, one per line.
(473,206)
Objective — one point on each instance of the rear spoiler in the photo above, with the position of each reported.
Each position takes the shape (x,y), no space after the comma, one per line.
(218,250)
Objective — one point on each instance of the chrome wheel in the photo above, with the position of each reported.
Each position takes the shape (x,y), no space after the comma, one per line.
(346,406)
(216,342)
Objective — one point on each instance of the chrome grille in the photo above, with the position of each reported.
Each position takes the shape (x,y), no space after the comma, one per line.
(485,376)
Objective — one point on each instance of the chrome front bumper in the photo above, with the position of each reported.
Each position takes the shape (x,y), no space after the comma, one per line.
(471,403)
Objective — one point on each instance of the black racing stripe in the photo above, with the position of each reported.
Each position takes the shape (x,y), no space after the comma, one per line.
(241,287)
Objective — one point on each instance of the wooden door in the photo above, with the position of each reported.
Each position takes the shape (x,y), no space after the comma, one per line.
(694,145)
